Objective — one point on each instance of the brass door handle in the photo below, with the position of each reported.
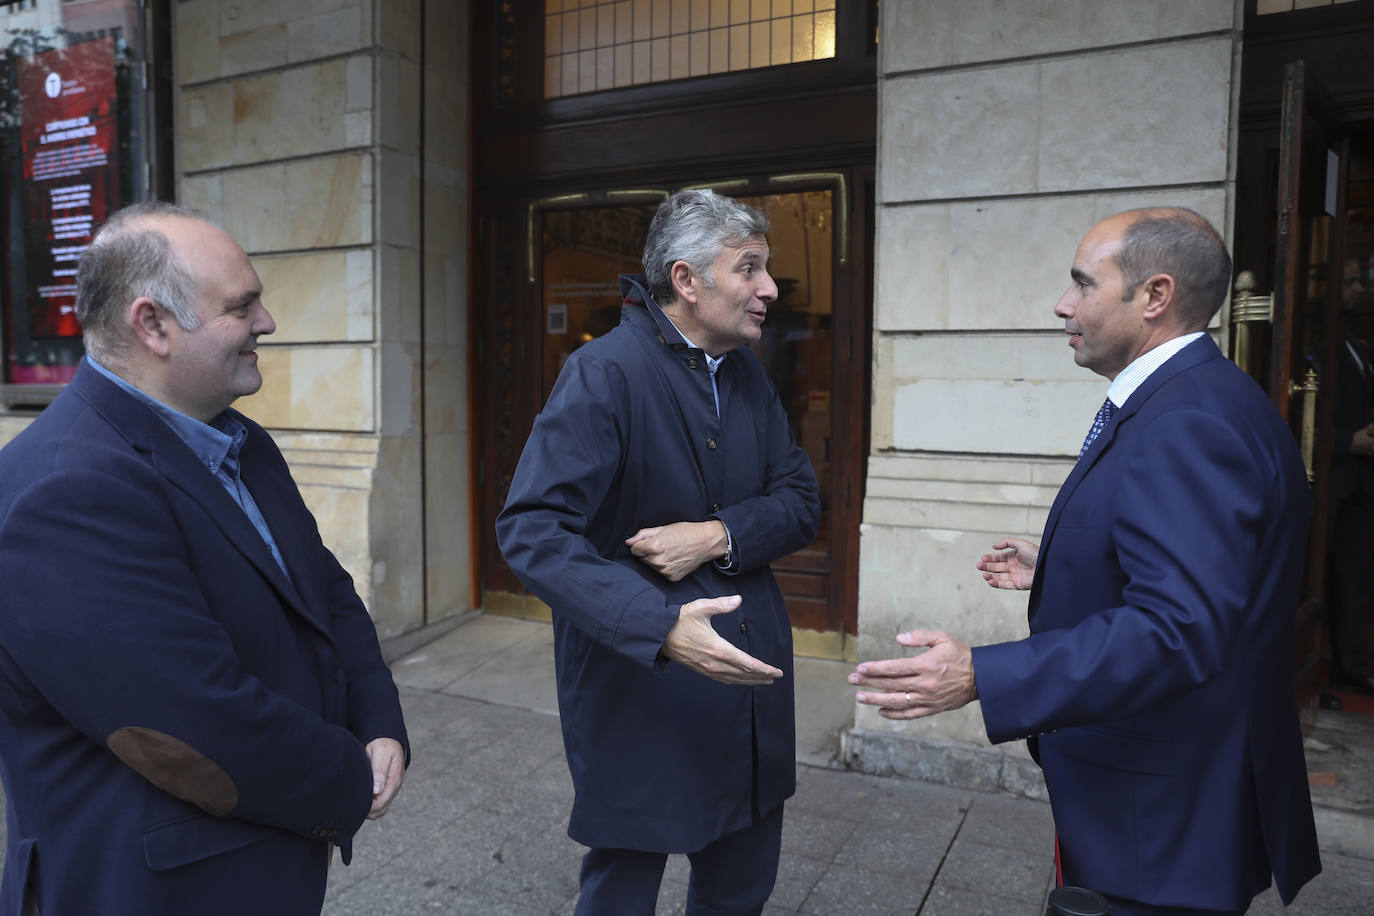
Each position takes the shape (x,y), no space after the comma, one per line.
(1308,390)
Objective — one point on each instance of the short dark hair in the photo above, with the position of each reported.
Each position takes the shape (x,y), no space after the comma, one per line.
(694,226)
(1181,243)
(126,259)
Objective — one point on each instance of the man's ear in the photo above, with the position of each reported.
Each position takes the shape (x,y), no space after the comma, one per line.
(149,322)
(1159,296)
(682,275)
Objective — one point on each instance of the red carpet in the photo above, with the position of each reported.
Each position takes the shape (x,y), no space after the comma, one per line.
(1354,702)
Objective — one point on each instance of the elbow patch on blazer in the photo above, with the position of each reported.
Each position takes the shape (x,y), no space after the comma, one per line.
(176,768)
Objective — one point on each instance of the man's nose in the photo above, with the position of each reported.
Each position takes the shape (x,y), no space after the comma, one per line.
(768,290)
(1061,308)
(264,324)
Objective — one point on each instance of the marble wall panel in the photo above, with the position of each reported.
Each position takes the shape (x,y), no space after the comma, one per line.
(1158,115)
(448,536)
(308,203)
(315,388)
(995,264)
(320,297)
(399,27)
(195,33)
(991,394)
(299,111)
(398,196)
(398,556)
(400,379)
(399,285)
(236,16)
(260,49)
(922,34)
(965,134)
(205,135)
(399,118)
(338,31)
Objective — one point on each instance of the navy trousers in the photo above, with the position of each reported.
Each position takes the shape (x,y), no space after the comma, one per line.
(732,876)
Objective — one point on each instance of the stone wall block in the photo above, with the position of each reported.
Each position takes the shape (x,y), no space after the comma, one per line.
(400,118)
(324,388)
(399,27)
(335,32)
(206,117)
(320,297)
(237,16)
(296,112)
(1149,116)
(196,36)
(912,270)
(922,34)
(310,203)
(399,198)
(963,134)
(259,49)
(447,534)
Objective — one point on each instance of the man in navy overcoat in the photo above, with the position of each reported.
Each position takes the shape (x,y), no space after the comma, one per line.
(659,482)
(193,706)
(1157,685)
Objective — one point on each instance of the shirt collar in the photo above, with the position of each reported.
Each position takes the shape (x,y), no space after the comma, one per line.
(1144,365)
(712,362)
(211,442)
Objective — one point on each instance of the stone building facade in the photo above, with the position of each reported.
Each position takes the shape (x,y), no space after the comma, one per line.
(332,138)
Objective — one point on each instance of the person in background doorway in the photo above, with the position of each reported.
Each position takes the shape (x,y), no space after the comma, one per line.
(1352,497)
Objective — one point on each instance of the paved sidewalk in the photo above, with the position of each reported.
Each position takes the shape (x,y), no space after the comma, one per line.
(480,826)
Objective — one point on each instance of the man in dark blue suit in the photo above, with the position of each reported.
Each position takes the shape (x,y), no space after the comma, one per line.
(659,482)
(193,705)
(1157,685)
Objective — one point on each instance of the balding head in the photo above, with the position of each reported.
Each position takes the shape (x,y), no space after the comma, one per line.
(132,256)
(1178,242)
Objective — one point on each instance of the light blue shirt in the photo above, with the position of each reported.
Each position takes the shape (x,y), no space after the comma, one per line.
(712,363)
(216,444)
(1144,365)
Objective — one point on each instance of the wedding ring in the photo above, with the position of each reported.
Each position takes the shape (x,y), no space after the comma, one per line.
(908,699)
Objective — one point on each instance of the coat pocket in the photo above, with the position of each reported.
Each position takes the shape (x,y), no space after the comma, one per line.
(173,844)
(1115,750)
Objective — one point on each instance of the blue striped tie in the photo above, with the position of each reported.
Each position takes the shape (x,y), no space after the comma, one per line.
(1104,415)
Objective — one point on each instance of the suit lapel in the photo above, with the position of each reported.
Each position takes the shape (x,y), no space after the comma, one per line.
(1194,354)
(175,461)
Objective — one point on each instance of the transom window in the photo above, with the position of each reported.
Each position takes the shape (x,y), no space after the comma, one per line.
(591,45)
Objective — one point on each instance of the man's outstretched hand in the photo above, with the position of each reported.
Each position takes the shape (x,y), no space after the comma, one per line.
(694,642)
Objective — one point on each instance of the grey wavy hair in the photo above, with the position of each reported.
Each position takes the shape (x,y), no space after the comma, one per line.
(694,226)
(127,259)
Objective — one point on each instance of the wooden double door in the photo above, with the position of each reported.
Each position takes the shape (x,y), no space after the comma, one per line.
(1305,230)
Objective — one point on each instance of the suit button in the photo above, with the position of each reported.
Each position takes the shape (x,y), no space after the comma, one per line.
(715,507)
(711,443)
(743,627)
(692,363)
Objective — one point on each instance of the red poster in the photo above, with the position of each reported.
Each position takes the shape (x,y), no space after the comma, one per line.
(69,142)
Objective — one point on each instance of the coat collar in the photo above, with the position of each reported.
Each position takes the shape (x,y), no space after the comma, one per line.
(149,435)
